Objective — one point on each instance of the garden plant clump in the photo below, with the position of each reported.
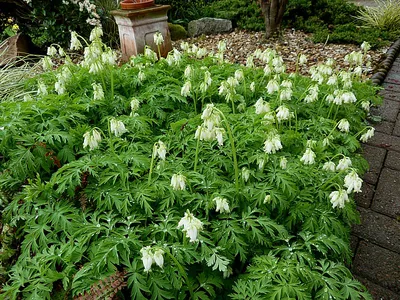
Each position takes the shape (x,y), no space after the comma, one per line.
(182,178)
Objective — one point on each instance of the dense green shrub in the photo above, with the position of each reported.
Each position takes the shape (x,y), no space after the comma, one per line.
(355,34)
(244,14)
(51,21)
(184,11)
(182,178)
(177,31)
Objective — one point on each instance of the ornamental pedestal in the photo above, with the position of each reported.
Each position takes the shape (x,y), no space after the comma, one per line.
(137,28)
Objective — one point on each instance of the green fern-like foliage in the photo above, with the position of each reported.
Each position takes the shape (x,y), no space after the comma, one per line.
(102,217)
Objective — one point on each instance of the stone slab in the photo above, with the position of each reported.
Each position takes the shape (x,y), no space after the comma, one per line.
(209,26)
(375,157)
(393,160)
(386,141)
(379,229)
(378,265)
(390,95)
(387,195)
(364,199)
(385,127)
(393,77)
(377,292)
(388,110)
(396,129)
(391,87)
(354,244)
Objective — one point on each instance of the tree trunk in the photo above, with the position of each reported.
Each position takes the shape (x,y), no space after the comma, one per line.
(273,11)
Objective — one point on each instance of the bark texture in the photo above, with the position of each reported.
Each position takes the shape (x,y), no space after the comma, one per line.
(273,11)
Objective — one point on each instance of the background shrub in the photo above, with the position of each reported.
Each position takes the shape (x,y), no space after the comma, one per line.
(51,21)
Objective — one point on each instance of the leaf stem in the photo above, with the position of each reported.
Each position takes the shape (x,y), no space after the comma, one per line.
(152,162)
(184,275)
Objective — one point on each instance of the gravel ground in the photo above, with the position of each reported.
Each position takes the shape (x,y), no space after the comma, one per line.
(241,43)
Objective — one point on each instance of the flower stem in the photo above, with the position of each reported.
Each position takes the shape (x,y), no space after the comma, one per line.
(152,162)
(235,163)
(196,158)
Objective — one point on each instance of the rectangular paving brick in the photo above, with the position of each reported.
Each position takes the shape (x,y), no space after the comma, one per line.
(393,77)
(353,244)
(378,265)
(386,141)
(387,194)
(375,157)
(391,87)
(396,129)
(379,229)
(388,110)
(393,160)
(364,199)
(390,95)
(385,127)
(378,292)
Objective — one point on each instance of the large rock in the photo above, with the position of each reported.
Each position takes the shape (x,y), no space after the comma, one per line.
(209,26)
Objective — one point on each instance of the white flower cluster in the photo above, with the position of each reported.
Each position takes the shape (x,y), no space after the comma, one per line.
(191,225)
(98,93)
(366,136)
(42,89)
(174,57)
(62,78)
(308,157)
(272,143)
(262,106)
(228,87)
(135,104)
(95,58)
(193,50)
(178,182)
(150,256)
(210,129)
(222,205)
(117,127)
(91,139)
(161,150)
(158,38)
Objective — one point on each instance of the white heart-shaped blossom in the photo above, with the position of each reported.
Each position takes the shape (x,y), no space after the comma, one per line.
(272,143)
(308,157)
(117,127)
(98,93)
(222,205)
(329,166)
(338,198)
(185,91)
(282,113)
(262,106)
(158,38)
(158,257)
(245,174)
(366,136)
(147,258)
(283,163)
(178,182)
(161,150)
(191,225)
(91,139)
(353,182)
(272,86)
(343,164)
(344,125)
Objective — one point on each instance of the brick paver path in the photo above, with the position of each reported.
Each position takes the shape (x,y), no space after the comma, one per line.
(376,242)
